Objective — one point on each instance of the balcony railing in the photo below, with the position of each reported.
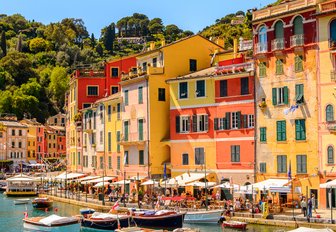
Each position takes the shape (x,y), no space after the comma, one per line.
(332,44)
(331,127)
(235,68)
(297,40)
(245,45)
(327,6)
(261,48)
(333,76)
(140,72)
(133,138)
(278,44)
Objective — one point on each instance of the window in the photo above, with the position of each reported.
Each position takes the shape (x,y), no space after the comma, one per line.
(280,96)
(86,105)
(20,144)
(78,158)
(185,159)
(118,111)
(262,39)
(279,67)
(109,112)
(101,162)
(281,163)
(298,63)
(279,30)
(200,88)
(192,65)
(333,31)
(92,90)
(55,120)
(199,155)
(144,66)
(109,141)
(250,123)
(263,137)
(94,161)
(162,94)
(114,89)
(101,137)
(244,86)
(118,162)
(262,167)
(13,132)
(20,132)
(141,157)
(182,124)
(94,120)
(114,72)
(200,123)
(93,138)
(220,124)
(301,164)
(298,25)
(183,90)
(118,141)
(126,97)
(299,94)
(126,157)
(235,153)
(262,69)
(235,120)
(155,62)
(1,135)
(126,124)
(330,152)
(140,94)
(223,88)
(329,113)
(281,130)
(140,129)
(300,129)
(110,162)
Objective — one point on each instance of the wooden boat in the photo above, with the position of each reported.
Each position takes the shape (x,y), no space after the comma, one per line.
(42,203)
(52,223)
(86,211)
(106,221)
(202,217)
(21,185)
(162,219)
(21,201)
(235,225)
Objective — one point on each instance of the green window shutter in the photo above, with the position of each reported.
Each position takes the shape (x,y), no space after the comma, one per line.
(140,95)
(284,132)
(237,153)
(278,164)
(228,120)
(109,141)
(206,122)
(141,137)
(126,131)
(194,123)
(118,140)
(189,122)
(239,119)
(286,95)
(303,129)
(274,96)
(245,120)
(216,124)
(262,134)
(262,69)
(278,128)
(177,124)
(232,153)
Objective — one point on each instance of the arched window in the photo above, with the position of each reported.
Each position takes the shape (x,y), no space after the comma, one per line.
(262,35)
(329,113)
(298,25)
(330,152)
(279,30)
(333,31)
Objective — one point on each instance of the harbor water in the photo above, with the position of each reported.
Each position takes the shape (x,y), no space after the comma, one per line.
(11,217)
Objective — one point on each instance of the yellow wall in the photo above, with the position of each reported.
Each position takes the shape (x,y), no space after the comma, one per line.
(31,142)
(71,129)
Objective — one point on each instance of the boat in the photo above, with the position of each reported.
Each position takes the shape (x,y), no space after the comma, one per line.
(42,203)
(106,221)
(86,211)
(21,201)
(162,219)
(235,225)
(202,217)
(306,229)
(52,223)
(21,185)
(3,186)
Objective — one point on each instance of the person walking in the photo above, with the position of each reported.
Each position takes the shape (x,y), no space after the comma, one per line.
(313,203)
(304,206)
(310,207)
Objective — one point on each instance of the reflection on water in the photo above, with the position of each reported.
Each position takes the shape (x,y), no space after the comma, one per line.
(11,217)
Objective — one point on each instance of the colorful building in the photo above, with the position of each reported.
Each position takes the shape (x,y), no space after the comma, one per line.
(212,120)
(286,93)
(57,120)
(326,84)
(146,121)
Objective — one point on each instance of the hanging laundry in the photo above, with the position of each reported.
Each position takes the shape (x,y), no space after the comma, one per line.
(293,108)
(286,111)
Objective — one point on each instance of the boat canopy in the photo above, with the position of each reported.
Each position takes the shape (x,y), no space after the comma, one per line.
(21,178)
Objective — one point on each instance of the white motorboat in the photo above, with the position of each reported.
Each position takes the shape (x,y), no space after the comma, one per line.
(202,217)
(52,223)
(21,201)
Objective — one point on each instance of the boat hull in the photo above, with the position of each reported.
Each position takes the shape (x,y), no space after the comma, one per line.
(42,205)
(106,224)
(172,221)
(66,228)
(202,217)
(20,194)
(235,225)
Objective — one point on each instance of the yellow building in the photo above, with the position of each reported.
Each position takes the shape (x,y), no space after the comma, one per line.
(327,93)
(32,137)
(286,94)
(146,121)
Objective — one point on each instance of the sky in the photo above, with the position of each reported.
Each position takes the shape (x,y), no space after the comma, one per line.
(191,15)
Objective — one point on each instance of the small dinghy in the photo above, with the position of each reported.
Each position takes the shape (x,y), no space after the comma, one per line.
(52,223)
(21,201)
(235,225)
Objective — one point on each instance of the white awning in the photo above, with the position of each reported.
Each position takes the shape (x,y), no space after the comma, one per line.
(185,178)
(329,184)
(266,184)
(201,184)
(227,185)
(137,178)
(100,184)
(121,182)
(69,176)
(88,178)
(150,182)
(21,178)
(282,189)
(32,161)
(101,179)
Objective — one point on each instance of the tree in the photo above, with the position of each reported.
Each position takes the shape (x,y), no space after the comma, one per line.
(19,43)
(93,41)
(155,26)
(108,38)
(37,45)
(99,49)
(3,43)
(58,86)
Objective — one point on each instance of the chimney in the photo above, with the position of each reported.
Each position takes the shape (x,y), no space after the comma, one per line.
(163,42)
(151,45)
(220,41)
(235,47)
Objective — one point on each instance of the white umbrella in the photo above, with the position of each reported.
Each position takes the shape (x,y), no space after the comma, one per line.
(121,182)
(201,184)
(227,185)
(100,184)
(150,182)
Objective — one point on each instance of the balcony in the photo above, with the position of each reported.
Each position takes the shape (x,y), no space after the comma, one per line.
(332,127)
(261,48)
(333,76)
(296,41)
(235,68)
(155,70)
(140,72)
(278,44)
(132,139)
(332,45)
(245,45)
(328,6)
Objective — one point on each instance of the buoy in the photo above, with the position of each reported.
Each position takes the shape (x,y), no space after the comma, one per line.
(46,210)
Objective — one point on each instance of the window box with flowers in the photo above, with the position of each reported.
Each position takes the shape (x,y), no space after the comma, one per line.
(262,104)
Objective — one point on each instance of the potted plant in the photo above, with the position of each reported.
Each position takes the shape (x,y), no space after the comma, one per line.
(262,104)
(78,117)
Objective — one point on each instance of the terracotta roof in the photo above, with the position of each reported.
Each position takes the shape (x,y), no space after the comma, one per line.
(13,124)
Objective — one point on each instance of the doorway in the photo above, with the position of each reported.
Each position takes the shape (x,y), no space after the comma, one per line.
(315,192)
